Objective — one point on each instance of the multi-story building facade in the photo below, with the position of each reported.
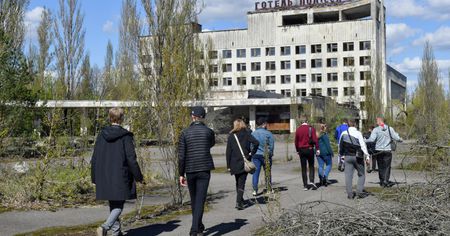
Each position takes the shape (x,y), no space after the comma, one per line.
(304,47)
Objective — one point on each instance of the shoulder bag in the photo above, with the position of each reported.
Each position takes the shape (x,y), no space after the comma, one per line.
(393,143)
(249,167)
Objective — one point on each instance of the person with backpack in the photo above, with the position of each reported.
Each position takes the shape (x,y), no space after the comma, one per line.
(353,150)
(265,150)
(326,156)
(305,142)
(385,139)
(195,163)
(337,135)
(240,144)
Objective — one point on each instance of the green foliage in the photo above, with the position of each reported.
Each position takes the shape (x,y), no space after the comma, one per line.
(15,94)
(171,75)
(429,111)
(64,185)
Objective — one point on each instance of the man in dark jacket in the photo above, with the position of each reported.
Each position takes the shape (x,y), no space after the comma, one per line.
(305,142)
(114,170)
(195,161)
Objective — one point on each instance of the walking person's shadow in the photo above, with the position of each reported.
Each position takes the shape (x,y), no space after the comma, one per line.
(156,229)
(225,228)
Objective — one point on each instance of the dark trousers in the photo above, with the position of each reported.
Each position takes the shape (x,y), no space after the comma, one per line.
(374,162)
(307,162)
(240,187)
(198,183)
(384,160)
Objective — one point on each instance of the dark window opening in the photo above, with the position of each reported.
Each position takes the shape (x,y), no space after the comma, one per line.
(324,17)
(357,13)
(300,19)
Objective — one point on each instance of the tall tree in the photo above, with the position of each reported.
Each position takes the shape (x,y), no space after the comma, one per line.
(69,48)
(12,14)
(15,78)
(45,39)
(108,73)
(86,90)
(171,62)
(69,34)
(431,114)
(127,59)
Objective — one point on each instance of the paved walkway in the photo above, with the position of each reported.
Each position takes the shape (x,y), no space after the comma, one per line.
(223,218)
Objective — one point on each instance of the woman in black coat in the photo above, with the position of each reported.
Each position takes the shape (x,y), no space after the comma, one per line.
(114,169)
(235,161)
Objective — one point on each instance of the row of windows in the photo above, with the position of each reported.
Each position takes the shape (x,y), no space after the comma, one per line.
(331,92)
(287,79)
(286,50)
(286,65)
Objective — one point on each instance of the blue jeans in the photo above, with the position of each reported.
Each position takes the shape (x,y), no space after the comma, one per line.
(113,222)
(324,160)
(259,162)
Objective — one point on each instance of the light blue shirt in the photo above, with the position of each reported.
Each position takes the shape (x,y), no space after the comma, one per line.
(380,135)
(264,138)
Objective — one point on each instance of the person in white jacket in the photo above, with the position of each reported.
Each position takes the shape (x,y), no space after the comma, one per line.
(353,150)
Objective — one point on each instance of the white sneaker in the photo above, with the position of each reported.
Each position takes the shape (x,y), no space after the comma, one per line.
(255,193)
(101,231)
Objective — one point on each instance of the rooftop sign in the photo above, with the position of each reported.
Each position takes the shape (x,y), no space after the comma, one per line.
(265,5)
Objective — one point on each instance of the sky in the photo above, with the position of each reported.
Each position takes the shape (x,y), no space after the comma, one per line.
(410,23)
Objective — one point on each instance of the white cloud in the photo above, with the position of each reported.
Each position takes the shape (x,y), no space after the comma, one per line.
(231,10)
(428,9)
(396,51)
(32,21)
(413,65)
(396,33)
(108,27)
(440,39)
(404,8)
(396,36)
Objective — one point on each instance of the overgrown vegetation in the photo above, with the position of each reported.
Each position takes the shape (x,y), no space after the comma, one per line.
(419,209)
(171,61)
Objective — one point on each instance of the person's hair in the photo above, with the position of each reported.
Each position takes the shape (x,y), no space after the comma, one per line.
(116,115)
(345,120)
(238,125)
(352,122)
(323,127)
(261,121)
(303,119)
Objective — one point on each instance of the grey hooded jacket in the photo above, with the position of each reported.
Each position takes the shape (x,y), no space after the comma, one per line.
(380,135)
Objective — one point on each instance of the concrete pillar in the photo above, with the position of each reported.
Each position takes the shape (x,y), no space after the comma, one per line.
(252,117)
(84,122)
(293,120)
(310,16)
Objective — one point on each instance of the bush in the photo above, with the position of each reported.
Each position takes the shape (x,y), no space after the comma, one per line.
(64,185)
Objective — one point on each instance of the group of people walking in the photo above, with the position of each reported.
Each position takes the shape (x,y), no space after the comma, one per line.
(115,170)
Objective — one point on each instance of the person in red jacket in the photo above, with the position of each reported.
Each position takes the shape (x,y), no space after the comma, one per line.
(305,142)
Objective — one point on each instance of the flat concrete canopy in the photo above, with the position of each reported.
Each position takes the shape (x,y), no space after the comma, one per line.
(206,103)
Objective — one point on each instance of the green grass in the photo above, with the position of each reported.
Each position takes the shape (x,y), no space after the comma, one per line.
(4,209)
